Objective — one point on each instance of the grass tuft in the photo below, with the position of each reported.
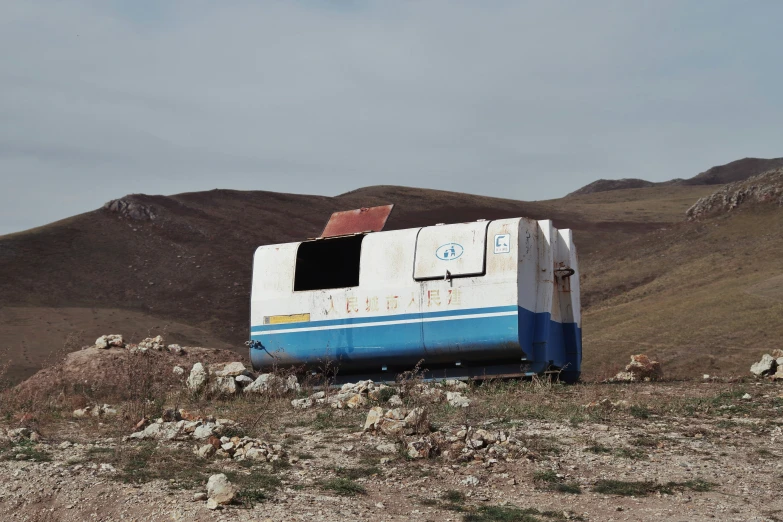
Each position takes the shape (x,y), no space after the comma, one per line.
(640,489)
(344,487)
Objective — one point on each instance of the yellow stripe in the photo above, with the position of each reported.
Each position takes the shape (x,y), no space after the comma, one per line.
(284,319)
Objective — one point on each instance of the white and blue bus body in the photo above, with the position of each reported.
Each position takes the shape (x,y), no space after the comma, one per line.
(470,300)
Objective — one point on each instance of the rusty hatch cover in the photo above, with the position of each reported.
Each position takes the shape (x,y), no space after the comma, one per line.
(356,221)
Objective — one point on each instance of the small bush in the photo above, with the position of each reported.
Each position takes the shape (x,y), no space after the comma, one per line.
(453,496)
(640,412)
(510,514)
(625,488)
(344,487)
(25,450)
(630,453)
(249,497)
(355,473)
(549,481)
(640,489)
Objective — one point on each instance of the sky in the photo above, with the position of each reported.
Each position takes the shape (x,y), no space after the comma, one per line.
(517,99)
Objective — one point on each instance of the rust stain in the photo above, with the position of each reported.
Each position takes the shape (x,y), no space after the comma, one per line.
(371,219)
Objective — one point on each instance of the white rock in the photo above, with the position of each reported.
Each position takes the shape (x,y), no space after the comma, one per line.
(387,448)
(82,412)
(231,369)
(176,349)
(302,403)
(243,380)
(470,480)
(255,454)
(206,451)
(746,397)
(395,401)
(457,400)
(271,382)
(374,417)
(765,365)
(212,504)
(178,370)
(197,378)
(419,449)
(204,431)
(225,385)
(220,489)
(416,421)
(200,496)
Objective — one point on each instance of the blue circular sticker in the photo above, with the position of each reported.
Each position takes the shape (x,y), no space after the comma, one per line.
(449,251)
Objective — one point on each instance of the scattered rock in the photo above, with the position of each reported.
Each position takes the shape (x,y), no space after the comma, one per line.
(470,480)
(176,349)
(374,417)
(457,400)
(200,496)
(269,382)
(178,370)
(397,421)
(302,403)
(150,343)
(197,380)
(224,386)
(128,208)
(641,368)
(767,366)
(231,369)
(109,341)
(419,449)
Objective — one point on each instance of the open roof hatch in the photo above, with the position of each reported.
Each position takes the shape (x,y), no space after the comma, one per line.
(348,222)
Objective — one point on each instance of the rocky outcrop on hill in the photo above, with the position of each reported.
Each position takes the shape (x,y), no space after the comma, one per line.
(766,187)
(128,208)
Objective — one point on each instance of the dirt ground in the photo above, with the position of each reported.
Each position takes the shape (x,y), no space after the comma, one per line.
(645,451)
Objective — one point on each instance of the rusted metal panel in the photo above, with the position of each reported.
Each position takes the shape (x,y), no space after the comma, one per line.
(371,219)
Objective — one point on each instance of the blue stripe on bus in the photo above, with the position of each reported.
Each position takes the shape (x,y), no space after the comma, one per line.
(383,318)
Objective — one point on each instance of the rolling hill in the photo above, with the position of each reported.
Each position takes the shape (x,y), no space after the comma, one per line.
(734,171)
(695,294)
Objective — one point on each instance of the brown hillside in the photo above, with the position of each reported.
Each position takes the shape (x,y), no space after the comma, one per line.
(735,171)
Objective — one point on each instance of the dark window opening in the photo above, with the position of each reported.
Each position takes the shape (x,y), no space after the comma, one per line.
(328,263)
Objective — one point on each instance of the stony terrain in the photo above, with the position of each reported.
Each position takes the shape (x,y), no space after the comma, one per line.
(762,188)
(287,449)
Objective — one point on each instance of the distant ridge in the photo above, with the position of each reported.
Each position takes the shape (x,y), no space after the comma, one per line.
(605,185)
(738,170)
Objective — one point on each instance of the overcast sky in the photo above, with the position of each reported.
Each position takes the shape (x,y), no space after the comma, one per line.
(528,100)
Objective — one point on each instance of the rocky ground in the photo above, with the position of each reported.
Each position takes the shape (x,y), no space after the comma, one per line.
(500,451)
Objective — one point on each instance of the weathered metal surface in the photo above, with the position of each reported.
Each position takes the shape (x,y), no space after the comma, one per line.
(509,305)
(371,219)
(447,251)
